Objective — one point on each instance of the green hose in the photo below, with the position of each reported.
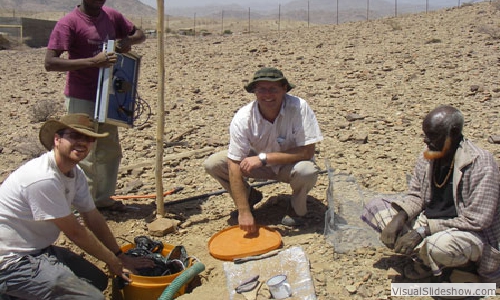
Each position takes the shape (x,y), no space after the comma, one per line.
(179,281)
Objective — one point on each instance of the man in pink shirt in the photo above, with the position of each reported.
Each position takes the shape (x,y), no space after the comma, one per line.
(82,34)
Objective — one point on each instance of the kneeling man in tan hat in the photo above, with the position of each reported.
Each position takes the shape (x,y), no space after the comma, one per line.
(272,137)
(36,204)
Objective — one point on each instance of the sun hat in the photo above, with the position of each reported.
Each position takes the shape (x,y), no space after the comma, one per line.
(78,122)
(268,74)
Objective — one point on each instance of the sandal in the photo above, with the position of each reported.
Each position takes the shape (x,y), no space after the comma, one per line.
(117,206)
(417,271)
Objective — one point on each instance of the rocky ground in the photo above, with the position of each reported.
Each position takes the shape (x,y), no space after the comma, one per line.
(370,84)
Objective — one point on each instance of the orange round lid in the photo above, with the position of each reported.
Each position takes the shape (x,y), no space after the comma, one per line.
(232,242)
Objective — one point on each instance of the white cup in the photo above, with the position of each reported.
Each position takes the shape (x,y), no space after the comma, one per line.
(279,287)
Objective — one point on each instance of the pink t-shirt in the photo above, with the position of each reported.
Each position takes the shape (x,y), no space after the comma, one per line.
(83,36)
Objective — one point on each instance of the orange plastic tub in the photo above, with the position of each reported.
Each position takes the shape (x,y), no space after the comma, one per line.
(149,287)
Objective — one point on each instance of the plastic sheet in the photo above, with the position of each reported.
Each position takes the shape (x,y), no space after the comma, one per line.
(291,262)
(344,229)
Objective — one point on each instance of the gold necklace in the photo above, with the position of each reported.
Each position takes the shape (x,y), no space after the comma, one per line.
(446,178)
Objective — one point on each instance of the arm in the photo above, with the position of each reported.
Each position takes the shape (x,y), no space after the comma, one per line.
(96,223)
(290,156)
(98,226)
(407,209)
(88,242)
(54,61)
(137,37)
(239,195)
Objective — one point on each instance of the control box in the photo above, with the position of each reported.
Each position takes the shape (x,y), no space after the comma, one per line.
(117,89)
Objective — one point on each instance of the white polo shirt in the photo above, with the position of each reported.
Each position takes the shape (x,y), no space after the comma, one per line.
(295,126)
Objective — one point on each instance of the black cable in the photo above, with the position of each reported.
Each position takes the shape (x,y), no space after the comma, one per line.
(141,107)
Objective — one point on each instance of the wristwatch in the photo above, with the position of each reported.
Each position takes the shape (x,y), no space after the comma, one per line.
(421,231)
(263,158)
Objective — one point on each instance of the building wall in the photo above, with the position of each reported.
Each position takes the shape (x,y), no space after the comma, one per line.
(36,32)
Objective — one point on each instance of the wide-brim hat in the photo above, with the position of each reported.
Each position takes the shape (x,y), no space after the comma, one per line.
(268,74)
(78,122)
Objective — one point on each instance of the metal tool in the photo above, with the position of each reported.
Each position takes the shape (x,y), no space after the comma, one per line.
(248,285)
(256,257)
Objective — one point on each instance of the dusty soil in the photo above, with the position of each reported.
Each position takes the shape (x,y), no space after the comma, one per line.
(370,84)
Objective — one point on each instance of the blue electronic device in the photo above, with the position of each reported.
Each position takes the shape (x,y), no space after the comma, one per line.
(117,89)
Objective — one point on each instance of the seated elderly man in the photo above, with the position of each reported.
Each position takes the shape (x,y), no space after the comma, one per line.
(448,221)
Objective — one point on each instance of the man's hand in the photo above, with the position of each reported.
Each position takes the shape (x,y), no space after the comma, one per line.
(392,230)
(123,45)
(408,242)
(105,60)
(116,267)
(125,265)
(248,164)
(247,222)
(134,263)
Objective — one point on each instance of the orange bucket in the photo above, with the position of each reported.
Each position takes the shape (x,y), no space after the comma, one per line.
(149,287)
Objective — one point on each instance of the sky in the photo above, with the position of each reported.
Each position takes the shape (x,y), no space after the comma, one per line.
(256,3)
(190,3)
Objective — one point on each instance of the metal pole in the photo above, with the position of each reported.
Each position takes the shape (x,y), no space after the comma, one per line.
(367,8)
(307,14)
(249,20)
(279,19)
(337,12)
(160,208)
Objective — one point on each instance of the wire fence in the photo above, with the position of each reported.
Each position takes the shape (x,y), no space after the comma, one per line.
(299,14)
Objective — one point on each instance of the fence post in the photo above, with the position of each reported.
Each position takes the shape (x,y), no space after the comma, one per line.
(249,20)
(279,19)
(337,12)
(367,8)
(307,14)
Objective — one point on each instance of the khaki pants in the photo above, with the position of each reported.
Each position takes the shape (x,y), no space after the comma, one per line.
(301,176)
(101,165)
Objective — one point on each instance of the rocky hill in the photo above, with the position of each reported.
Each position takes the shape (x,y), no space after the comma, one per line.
(127,7)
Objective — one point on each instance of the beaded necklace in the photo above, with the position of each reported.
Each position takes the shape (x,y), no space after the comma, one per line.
(447,176)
